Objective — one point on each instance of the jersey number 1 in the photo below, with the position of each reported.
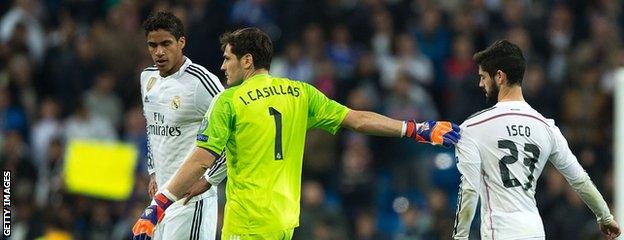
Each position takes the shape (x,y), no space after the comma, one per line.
(278,133)
(509,159)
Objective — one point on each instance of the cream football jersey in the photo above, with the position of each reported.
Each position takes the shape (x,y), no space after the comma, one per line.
(501,154)
(174,107)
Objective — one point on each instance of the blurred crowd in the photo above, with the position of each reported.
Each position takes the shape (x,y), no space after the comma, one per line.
(70,69)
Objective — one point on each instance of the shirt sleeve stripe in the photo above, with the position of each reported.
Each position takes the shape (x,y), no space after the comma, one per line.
(459,205)
(202,80)
(205,77)
(217,165)
(211,81)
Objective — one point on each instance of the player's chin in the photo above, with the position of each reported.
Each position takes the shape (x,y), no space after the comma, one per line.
(231,81)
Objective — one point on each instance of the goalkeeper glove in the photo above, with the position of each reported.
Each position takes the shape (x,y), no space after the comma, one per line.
(144,228)
(433,132)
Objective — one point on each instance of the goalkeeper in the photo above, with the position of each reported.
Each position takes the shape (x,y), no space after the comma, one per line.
(261,122)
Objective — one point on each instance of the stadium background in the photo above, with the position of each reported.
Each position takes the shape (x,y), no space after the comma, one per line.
(71,69)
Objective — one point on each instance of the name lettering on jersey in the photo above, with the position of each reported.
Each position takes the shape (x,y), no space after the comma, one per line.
(266,92)
(518,130)
(161,129)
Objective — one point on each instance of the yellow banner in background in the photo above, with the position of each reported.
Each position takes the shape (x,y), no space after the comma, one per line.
(103,169)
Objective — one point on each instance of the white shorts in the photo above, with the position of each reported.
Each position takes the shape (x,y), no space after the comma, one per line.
(193,221)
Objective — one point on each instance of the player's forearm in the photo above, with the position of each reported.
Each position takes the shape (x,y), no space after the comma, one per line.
(191,170)
(594,200)
(371,123)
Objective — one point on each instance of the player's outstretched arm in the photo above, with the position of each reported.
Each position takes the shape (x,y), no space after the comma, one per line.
(433,132)
(371,123)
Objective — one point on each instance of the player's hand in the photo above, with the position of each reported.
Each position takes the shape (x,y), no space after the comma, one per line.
(152,187)
(143,229)
(198,188)
(433,132)
(611,230)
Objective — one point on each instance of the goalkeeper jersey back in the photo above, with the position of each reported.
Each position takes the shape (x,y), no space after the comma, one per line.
(262,125)
(174,107)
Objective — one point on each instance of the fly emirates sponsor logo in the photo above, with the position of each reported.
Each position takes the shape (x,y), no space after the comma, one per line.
(159,128)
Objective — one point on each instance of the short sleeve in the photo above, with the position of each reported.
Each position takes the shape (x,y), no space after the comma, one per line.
(216,126)
(324,113)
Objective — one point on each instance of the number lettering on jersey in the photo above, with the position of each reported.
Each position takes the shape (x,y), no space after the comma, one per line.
(530,162)
(278,133)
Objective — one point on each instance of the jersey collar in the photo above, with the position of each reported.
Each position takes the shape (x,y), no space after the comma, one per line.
(257,76)
(511,103)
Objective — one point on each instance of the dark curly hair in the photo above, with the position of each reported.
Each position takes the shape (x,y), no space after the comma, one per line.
(253,41)
(165,21)
(505,56)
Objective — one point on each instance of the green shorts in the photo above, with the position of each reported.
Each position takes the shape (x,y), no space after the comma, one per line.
(280,235)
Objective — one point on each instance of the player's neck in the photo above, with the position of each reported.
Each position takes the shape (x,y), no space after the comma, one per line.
(254,72)
(513,93)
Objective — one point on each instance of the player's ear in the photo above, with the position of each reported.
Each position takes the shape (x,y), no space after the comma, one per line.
(182,42)
(247,61)
(500,77)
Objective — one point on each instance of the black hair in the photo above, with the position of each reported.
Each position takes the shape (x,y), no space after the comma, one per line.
(505,56)
(165,21)
(250,40)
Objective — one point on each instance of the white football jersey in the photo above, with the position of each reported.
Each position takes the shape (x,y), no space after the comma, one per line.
(501,154)
(174,107)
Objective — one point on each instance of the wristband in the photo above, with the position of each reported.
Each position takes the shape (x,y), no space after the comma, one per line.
(169,195)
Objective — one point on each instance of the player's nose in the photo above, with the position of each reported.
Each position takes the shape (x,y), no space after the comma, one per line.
(160,51)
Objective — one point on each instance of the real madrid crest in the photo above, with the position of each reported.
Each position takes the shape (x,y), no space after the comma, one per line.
(150,83)
(175,102)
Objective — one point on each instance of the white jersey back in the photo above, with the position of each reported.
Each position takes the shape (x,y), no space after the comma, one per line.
(174,107)
(501,155)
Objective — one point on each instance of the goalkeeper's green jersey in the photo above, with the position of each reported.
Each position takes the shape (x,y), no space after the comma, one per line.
(261,124)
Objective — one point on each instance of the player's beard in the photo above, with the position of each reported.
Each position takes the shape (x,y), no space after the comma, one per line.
(491,98)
